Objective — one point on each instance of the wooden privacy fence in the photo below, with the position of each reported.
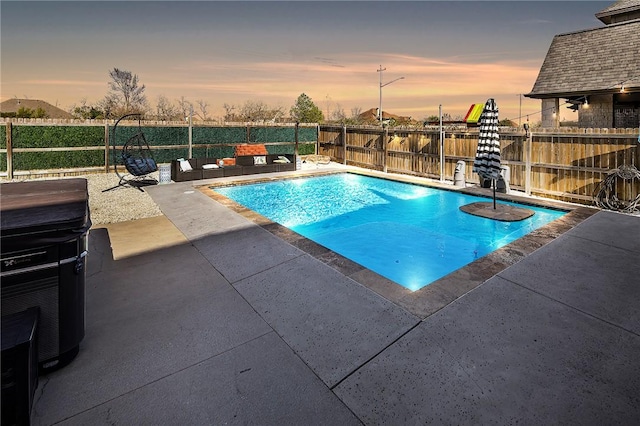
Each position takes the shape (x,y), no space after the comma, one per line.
(565,165)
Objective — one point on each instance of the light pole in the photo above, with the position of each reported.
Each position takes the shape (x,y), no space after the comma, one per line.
(381,86)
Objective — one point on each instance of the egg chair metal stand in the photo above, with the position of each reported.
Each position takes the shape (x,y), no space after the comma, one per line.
(135,155)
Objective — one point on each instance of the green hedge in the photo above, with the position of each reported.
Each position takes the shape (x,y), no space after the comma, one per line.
(157,136)
(282,134)
(271,134)
(160,136)
(166,155)
(307,134)
(306,148)
(57,160)
(219,135)
(3,137)
(56,136)
(213,151)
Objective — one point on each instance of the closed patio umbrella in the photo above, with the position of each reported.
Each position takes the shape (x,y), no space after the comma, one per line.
(487,162)
(487,165)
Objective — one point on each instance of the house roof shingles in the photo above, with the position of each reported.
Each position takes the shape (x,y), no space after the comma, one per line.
(591,61)
(371,115)
(13,105)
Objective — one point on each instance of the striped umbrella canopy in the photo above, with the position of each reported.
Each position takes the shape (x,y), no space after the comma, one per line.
(487,162)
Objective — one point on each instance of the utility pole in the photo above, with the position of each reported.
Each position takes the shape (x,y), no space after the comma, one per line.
(520,113)
(380,70)
(328,99)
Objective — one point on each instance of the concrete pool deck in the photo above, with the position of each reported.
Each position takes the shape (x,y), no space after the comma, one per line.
(206,317)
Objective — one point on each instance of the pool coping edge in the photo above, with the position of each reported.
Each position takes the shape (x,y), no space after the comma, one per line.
(438,294)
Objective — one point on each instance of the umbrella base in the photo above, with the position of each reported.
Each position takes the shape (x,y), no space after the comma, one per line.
(502,212)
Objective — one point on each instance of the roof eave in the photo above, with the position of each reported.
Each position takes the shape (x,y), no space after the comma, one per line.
(614,12)
(628,89)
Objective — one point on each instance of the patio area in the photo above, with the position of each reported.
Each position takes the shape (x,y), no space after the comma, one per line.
(201,316)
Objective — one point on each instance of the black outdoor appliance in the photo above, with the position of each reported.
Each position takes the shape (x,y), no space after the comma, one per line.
(43,245)
(19,365)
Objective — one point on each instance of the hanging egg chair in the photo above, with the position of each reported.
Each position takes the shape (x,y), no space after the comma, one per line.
(135,155)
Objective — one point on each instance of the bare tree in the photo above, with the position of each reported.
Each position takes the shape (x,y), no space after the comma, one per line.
(125,92)
(277,114)
(229,115)
(78,111)
(185,107)
(203,110)
(166,110)
(338,114)
(109,107)
(255,111)
(86,111)
(328,103)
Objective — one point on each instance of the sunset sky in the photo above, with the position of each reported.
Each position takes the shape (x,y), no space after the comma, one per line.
(453,53)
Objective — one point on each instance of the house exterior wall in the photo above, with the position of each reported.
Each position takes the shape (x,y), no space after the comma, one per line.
(550,107)
(599,114)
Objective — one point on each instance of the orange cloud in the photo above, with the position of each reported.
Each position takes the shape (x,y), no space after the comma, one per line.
(64,82)
(347,80)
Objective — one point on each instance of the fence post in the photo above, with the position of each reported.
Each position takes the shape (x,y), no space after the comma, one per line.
(344,144)
(385,147)
(190,152)
(441,145)
(9,129)
(295,150)
(442,159)
(107,145)
(527,163)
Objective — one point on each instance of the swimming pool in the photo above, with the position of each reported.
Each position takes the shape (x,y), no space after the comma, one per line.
(410,234)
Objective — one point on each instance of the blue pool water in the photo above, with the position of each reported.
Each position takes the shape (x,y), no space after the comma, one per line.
(411,234)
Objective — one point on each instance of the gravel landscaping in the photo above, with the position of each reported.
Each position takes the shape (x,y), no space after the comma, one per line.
(118,205)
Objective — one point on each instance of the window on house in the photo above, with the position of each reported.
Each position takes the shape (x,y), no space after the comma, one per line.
(626,110)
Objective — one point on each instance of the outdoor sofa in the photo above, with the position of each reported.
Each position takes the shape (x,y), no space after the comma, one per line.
(249,159)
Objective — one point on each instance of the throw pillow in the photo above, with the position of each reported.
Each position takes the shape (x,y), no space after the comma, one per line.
(259,159)
(184,165)
(210,166)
